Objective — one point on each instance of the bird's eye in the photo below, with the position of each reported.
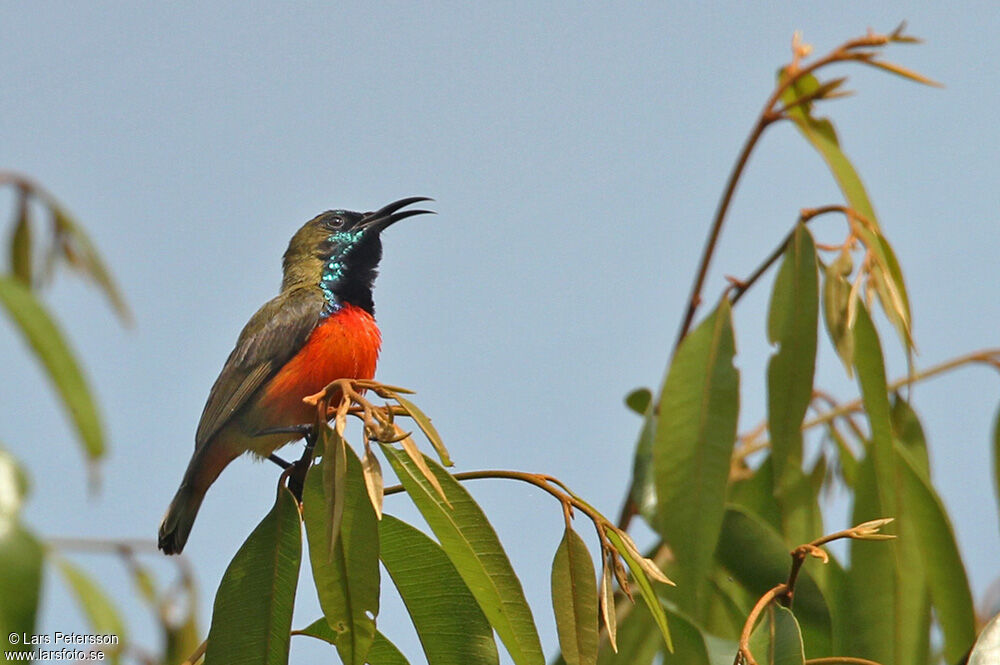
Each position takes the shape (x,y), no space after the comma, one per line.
(335,222)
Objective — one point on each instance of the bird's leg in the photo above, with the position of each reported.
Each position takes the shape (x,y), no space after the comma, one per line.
(297,476)
(301,430)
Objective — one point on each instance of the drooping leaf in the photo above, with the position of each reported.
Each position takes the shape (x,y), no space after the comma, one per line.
(427,427)
(21,558)
(21,243)
(607,601)
(908,431)
(901,560)
(870,365)
(638,640)
(823,137)
(574,600)
(80,253)
(836,305)
(48,343)
(889,616)
(333,468)
(448,621)
(695,433)
(643,493)
(374,483)
(639,574)
(102,615)
(776,640)
(252,615)
(417,457)
(791,324)
(473,547)
(346,572)
(946,578)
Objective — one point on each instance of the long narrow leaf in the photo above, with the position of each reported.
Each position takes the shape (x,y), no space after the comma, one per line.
(473,547)
(21,558)
(792,321)
(102,615)
(946,578)
(52,349)
(448,621)
(346,571)
(695,432)
(574,600)
(252,616)
(427,427)
(645,586)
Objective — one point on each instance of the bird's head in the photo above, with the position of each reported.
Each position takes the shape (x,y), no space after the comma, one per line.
(339,250)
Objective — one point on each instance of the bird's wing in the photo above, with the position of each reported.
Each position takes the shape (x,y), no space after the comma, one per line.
(273,335)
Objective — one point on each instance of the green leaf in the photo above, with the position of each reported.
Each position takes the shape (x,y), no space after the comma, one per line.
(836,307)
(756,557)
(45,338)
(80,253)
(427,427)
(346,575)
(382,652)
(907,617)
(695,432)
(889,606)
(639,400)
(638,640)
(21,557)
(821,134)
(756,494)
(644,584)
(908,431)
(448,621)
(946,578)
(574,600)
(643,492)
(20,242)
(777,640)
(791,324)
(870,366)
(102,615)
(473,547)
(252,616)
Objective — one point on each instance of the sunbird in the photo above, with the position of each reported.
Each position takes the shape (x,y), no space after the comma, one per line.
(320,328)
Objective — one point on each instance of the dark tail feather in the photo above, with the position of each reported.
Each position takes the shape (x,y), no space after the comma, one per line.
(177,523)
(205,466)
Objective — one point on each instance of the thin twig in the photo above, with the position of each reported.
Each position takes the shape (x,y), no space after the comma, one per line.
(985,356)
(805,216)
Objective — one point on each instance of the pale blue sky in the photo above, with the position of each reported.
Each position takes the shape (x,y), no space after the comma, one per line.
(576,152)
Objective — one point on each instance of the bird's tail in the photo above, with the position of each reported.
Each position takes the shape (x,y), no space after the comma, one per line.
(177,523)
(205,466)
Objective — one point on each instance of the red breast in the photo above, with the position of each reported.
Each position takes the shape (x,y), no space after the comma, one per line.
(344,345)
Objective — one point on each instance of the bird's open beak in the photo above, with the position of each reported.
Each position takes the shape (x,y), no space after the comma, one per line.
(387,215)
